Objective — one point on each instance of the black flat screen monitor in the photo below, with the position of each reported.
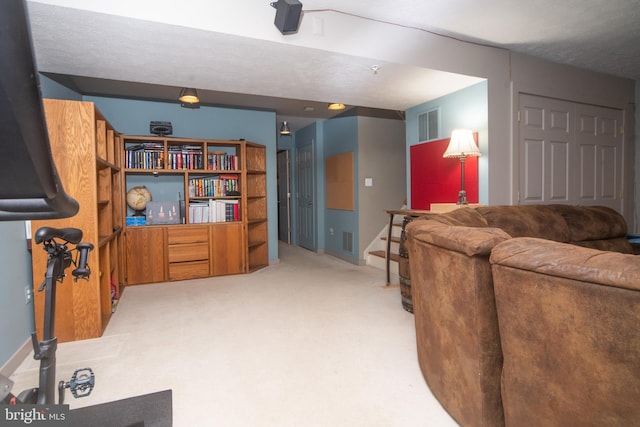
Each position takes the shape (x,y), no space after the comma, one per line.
(30,187)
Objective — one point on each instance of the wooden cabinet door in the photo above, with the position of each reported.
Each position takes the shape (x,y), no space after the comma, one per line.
(227,249)
(146,255)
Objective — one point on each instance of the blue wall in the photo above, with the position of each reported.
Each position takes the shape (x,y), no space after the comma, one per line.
(15,264)
(341,136)
(53,89)
(466,108)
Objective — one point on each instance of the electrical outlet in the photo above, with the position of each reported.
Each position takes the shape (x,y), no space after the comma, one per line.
(28,295)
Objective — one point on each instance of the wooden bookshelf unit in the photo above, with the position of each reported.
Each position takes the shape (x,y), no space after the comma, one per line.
(85,150)
(257,244)
(218,190)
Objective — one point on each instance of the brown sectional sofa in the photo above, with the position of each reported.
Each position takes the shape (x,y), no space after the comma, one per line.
(457,323)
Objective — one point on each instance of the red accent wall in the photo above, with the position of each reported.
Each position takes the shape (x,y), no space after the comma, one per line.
(435,179)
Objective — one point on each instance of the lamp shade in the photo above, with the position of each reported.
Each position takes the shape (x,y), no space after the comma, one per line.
(189,96)
(284,129)
(462,144)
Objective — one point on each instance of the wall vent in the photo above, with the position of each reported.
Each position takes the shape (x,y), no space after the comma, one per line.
(429,125)
(347,241)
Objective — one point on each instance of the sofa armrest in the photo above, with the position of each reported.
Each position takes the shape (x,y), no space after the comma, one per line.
(569,261)
(467,240)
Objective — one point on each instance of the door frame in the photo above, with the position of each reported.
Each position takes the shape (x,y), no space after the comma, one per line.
(284,191)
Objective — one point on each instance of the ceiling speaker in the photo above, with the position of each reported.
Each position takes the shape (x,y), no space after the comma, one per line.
(288,14)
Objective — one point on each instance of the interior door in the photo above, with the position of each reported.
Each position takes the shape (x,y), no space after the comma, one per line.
(284,197)
(545,149)
(598,159)
(305,197)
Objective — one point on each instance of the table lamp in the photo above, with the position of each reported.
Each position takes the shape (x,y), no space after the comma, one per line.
(462,145)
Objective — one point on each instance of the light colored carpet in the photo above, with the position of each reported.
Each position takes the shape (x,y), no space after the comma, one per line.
(312,341)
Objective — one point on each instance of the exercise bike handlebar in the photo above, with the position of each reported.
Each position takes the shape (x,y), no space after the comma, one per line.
(71,235)
(82,272)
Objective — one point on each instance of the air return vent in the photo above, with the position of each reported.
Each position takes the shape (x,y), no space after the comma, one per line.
(347,241)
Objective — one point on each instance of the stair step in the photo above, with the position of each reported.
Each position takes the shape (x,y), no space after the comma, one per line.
(393,239)
(381,254)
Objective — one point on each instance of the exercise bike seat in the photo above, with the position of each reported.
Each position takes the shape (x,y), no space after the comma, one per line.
(71,235)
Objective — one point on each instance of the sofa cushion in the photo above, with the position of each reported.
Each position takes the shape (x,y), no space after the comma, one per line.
(550,258)
(618,244)
(527,221)
(592,222)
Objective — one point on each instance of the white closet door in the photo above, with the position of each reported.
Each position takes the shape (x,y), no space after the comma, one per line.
(569,153)
(545,149)
(598,160)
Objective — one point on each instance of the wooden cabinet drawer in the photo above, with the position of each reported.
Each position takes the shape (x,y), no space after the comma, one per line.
(189,252)
(176,235)
(188,270)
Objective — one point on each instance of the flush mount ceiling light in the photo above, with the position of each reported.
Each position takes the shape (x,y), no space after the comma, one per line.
(336,106)
(284,129)
(189,96)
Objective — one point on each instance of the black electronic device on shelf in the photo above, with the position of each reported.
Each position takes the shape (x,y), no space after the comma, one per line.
(160,128)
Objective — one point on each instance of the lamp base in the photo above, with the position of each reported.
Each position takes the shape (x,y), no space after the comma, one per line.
(462,198)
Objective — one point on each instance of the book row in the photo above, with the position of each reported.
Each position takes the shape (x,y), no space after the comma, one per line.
(214,186)
(150,156)
(144,159)
(214,211)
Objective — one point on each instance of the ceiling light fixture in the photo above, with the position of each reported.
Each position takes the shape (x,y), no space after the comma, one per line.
(284,129)
(336,106)
(189,96)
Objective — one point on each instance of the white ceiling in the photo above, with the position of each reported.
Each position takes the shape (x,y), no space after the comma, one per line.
(233,54)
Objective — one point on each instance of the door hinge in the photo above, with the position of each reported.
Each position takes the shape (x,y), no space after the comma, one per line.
(518,115)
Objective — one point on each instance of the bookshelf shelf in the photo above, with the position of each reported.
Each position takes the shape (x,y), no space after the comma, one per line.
(219,187)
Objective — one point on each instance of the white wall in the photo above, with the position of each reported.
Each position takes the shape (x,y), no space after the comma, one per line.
(381,157)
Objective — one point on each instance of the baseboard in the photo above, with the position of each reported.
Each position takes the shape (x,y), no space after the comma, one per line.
(16,359)
(344,258)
